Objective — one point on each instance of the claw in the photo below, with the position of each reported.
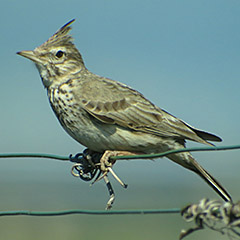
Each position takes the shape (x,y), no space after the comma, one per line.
(98,178)
(117,178)
(111,193)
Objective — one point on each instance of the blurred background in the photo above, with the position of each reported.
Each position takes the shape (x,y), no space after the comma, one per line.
(182,55)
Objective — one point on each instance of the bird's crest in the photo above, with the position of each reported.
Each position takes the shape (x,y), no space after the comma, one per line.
(61,37)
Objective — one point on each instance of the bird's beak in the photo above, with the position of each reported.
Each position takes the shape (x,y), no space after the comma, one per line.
(29,54)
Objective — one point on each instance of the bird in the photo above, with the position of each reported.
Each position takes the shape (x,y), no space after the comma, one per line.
(109,117)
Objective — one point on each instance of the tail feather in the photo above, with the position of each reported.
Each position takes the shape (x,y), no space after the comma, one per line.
(186,160)
(210,180)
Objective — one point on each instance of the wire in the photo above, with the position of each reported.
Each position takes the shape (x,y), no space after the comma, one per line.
(89,212)
(34,155)
(196,149)
(103,212)
(67,158)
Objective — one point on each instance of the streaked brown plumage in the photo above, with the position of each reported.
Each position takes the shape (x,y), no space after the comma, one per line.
(105,115)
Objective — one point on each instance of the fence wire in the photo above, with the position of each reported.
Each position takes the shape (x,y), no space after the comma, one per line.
(89,212)
(218,216)
(147,156)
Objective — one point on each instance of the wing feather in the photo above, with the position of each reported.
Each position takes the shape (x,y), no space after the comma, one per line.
(114,103)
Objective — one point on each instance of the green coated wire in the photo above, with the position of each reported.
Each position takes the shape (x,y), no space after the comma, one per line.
(66,158)
(89,212)
(103,212)
(34,155)
(196,149)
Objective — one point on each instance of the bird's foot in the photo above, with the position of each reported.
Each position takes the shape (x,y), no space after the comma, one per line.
(89,163)
(106,164)
(85,167)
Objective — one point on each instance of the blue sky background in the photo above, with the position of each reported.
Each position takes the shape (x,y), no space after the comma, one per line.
(182,55)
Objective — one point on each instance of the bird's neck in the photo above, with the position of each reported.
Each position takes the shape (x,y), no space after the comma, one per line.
(52,79)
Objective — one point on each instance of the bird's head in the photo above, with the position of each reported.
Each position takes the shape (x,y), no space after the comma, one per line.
(57,57)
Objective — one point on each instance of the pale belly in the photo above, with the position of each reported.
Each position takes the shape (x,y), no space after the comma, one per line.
(99,136)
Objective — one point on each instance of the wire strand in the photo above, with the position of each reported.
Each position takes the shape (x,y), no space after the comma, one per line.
(103,212)
(196,149)
(89,212)
(144,156)
(34,155)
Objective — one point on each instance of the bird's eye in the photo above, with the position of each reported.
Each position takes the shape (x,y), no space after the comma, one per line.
(59,54)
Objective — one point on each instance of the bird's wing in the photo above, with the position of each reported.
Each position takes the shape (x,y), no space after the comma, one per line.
(112,102)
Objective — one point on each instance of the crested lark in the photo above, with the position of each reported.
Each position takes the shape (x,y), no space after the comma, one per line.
(107,116)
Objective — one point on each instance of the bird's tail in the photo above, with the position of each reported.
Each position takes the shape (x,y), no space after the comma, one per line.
(211,181)
(193,165)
